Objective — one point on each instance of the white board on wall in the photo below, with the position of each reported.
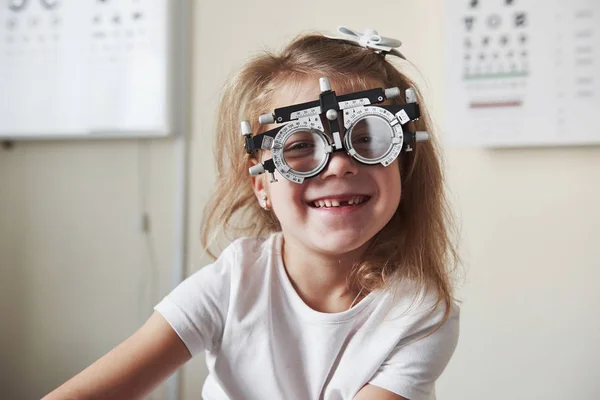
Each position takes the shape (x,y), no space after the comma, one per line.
(88,68)
(522,72)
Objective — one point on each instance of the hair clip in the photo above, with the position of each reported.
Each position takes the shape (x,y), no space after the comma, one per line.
(370,39)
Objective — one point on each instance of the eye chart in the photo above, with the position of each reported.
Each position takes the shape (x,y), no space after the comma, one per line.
(88,68)
(522,72)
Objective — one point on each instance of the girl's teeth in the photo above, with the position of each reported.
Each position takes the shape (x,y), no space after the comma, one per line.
(336,203)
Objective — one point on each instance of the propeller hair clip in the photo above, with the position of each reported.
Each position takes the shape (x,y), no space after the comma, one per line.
(370,39)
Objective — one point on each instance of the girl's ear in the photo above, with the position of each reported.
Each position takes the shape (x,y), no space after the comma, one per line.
(258,182)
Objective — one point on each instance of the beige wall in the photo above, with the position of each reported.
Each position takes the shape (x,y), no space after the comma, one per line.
(74,264)
(72,254)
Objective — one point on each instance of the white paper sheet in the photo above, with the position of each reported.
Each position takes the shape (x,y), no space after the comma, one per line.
(522,72)
(84,68)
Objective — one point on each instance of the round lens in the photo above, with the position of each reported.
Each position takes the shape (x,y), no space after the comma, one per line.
(303,151)
(371,137)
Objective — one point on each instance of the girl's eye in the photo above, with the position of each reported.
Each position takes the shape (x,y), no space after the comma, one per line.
(363,139)
(300,146)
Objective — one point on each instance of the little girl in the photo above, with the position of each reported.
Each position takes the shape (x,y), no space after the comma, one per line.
(339,286)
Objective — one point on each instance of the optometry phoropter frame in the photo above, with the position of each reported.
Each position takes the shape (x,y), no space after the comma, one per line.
(357,110)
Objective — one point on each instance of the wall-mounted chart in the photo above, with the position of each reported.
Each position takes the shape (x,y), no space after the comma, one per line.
(522,72)
(88,68)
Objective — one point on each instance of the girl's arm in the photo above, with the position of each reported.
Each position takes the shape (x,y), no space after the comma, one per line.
(372,392)
(132,369)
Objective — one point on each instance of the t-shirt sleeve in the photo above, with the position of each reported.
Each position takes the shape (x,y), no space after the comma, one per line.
(197,308)
(418,360)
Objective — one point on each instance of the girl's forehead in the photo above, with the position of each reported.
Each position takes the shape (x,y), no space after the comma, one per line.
(307,89)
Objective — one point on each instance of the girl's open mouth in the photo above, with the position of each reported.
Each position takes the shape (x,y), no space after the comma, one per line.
(352,201)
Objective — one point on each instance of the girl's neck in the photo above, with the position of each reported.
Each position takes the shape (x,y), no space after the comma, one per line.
(321,280)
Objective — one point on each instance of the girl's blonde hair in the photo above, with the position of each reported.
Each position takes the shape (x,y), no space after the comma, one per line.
(415,244)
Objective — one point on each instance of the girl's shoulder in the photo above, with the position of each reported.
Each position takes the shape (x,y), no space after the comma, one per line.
(249,248)
(250,253)
(409,301)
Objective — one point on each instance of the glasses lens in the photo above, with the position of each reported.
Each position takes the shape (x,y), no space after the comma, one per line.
(371,137)
(303,151)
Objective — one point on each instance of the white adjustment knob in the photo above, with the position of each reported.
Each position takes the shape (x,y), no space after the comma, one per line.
(246,128)
(390,93)
(266,119)
(421,136)
(411,96)
(324,84)
(256,170)
(331,114)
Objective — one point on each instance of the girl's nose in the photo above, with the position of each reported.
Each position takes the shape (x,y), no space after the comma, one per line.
(340,165)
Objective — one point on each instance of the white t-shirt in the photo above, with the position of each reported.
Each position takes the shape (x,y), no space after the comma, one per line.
(263,342)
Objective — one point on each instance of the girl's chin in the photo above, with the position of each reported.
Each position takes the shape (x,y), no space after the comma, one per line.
(337,244)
